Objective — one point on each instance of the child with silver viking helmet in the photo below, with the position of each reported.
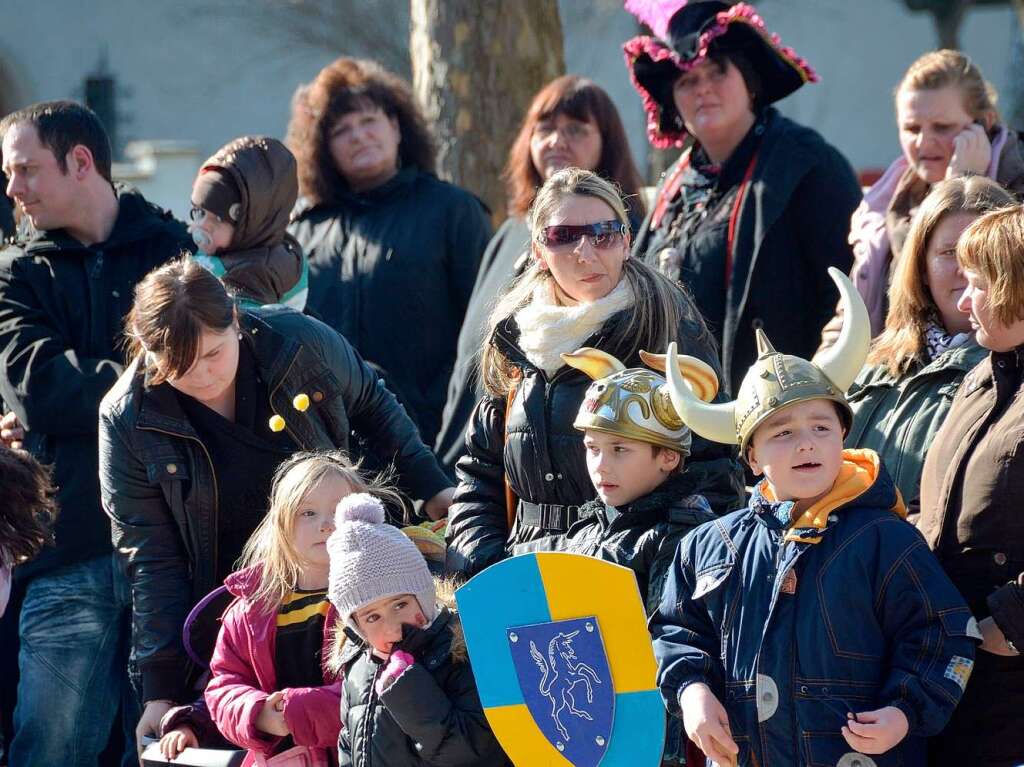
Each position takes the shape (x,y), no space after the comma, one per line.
(636,447)
(813,627)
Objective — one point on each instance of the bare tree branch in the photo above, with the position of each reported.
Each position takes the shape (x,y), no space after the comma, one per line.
(377,29)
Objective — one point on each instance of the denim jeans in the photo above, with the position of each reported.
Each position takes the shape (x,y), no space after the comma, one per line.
(74,666)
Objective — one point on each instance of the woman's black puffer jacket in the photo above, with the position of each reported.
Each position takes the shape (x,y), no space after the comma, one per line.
(543,454)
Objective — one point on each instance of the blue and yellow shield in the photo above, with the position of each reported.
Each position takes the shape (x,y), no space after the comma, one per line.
(563,661)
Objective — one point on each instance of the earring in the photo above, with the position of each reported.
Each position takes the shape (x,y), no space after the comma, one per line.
(239,335)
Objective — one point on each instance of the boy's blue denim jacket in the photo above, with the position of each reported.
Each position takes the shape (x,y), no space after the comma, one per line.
(791,634)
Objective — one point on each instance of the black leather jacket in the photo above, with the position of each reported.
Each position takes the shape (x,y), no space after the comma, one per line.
(544,456)
(159,486)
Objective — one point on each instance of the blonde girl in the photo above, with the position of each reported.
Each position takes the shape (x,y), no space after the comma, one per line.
(270,691)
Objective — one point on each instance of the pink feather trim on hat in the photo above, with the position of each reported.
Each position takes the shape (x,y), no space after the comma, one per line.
(657,50)
(655,13)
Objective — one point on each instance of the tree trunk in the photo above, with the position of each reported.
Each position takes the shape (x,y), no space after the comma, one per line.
(476,67)
(1018,5)
(948,21)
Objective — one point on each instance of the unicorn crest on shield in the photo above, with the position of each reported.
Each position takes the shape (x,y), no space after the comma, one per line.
(562,671)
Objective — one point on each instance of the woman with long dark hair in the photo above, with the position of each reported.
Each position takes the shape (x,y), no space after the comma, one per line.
(916,365)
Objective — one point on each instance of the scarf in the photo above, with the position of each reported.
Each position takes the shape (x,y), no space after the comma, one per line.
(937,340)
(546,329)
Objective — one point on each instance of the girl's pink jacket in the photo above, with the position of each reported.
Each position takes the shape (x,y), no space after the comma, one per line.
(243,676)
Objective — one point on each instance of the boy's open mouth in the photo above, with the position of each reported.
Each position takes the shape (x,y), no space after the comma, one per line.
(808,466)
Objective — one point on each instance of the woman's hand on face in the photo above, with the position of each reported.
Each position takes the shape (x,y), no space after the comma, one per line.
(993,639)
(271,718)
(437,507)
(972,152)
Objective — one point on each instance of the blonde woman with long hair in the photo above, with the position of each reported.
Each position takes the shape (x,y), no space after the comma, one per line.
(270,688)
(524,474)
(914,368)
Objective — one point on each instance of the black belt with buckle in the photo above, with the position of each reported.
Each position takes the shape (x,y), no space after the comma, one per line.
(548,516)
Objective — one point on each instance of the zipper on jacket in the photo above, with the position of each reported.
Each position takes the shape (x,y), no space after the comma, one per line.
(371,707)
(213,473)
(97,267)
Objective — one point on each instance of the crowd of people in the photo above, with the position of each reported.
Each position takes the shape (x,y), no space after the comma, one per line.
(245,460)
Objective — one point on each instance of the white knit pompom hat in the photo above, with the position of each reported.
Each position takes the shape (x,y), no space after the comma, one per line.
(371,559)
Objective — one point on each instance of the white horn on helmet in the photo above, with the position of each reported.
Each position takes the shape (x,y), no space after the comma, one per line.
(714,422)
(844,361)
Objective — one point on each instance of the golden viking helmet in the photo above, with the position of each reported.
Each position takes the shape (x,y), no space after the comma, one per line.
(634,402)
(778,380)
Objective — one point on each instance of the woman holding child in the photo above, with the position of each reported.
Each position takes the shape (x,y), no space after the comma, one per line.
(525,473)
(971,487)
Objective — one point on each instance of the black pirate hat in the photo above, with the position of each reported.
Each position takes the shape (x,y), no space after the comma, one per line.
(689,31)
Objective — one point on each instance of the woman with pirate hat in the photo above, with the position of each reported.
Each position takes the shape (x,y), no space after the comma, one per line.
(524,475)
(757,207)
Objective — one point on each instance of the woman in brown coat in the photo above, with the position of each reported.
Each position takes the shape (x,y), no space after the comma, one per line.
(971,490)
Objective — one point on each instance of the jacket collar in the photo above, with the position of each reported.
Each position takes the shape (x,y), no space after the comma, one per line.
(963,358)
(647,510)
(136,220)
(862,481)
(505,339)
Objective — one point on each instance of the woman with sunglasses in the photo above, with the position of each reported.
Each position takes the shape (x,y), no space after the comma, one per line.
(758,207)
(571,123)
(524,474)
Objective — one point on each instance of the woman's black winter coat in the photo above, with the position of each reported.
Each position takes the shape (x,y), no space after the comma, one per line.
(392,270)
(543,454)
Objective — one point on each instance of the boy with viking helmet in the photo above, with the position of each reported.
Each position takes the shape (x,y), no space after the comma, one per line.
(813,627)
(636,446)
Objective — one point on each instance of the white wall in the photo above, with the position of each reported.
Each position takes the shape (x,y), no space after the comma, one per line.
(860,50)
(193,73)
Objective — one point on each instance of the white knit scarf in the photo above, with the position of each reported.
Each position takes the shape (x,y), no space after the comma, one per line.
(546,329)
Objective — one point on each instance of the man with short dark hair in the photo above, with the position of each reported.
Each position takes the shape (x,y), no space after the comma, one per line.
(63,296)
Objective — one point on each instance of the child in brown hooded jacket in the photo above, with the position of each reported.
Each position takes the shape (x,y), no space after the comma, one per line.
(241,200)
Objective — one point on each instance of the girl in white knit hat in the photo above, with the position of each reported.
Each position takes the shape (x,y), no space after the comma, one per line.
(408,697)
